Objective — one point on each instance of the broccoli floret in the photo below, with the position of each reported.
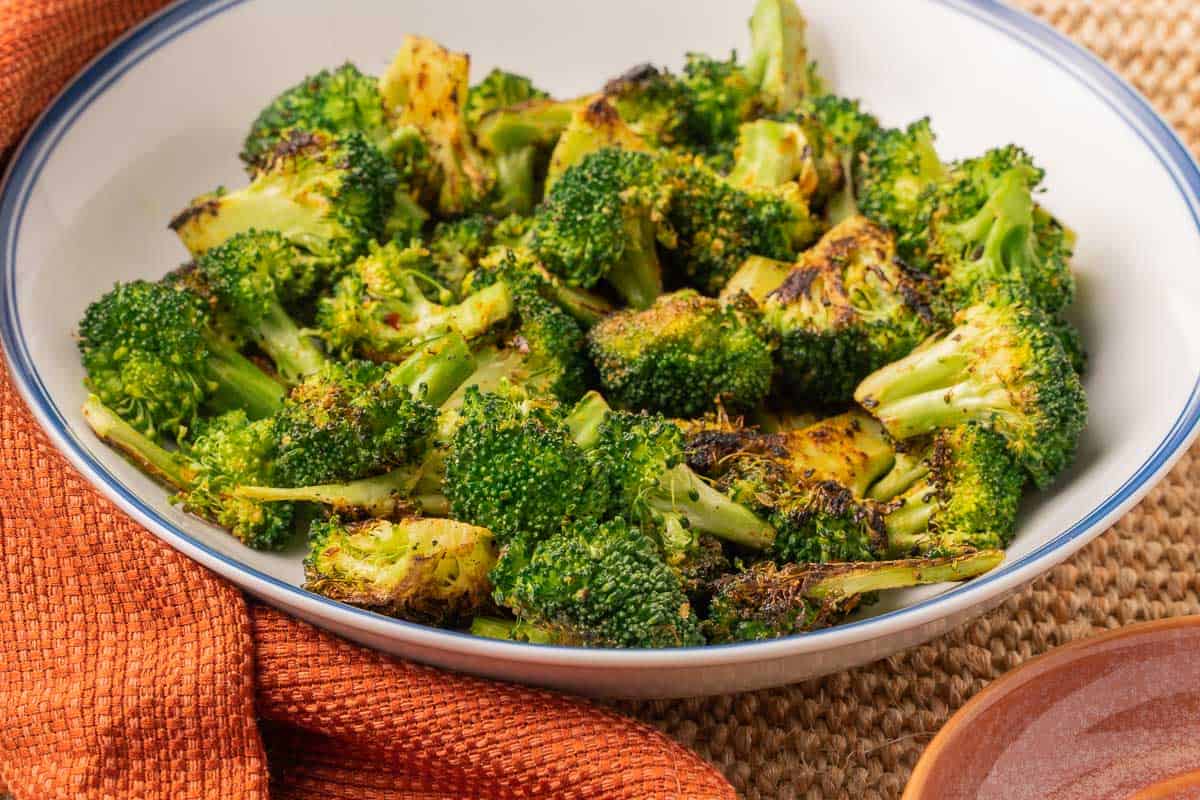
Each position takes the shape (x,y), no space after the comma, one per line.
(601,221)
(499,89)
(222,452)
(251,275)
(516,159)
(778,63)
(900,170)
(152,355)
(987,230)
(426,88)
(600,585)
(425,570)
(682,355)
(329,196)
(513,467)
(768,600)
(966,499)
(719,97)
(1072,342)
(841,123)
(1004,367)
(717,226)
(846,309)
(456,248)
(519,139)
(380,308)
(643,460)
(593,127)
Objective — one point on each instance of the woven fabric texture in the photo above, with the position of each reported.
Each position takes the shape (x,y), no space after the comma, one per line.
(858,734)
(126,671)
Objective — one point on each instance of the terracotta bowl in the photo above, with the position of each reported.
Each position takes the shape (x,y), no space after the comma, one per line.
(1114,716)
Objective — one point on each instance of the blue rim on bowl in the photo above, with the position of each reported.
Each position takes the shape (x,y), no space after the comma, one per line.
(175,20)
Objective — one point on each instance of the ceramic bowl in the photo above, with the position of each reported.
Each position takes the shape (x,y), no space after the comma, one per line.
(1115,717)
(159,117)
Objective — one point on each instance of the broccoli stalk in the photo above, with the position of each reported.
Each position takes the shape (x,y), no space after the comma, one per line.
(158,462)
(1004,367)
(518,631)
(780,158)
(778,62)
(769,601)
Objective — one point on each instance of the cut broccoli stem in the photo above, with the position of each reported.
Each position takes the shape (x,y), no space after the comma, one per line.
(905,472)
(241,384)
(378,496)
(295,355)
(682,491)
(585,419)
(153,459)
(863,578)
(637,277)
(435,370)
(908,526)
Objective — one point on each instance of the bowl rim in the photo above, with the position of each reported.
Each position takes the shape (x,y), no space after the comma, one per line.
(1031,670)
(174,20)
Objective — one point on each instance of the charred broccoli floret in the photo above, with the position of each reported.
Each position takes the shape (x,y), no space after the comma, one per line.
(768,600)
(602,221)
(426,88)
(329,196)
(595,125)
(222,452)
(682,355)
(1004,367)
(599,585)
(381,309)
(425,570)
(152,355)
(251,275)
(846,309)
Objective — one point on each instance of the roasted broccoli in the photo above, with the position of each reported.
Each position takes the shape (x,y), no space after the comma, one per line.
(425,570)
(778,62)
(682,355)
(841,125)
(847,308)
(596,125)
(1002,366)
(600,585)
(768,600)
(900,170)
(152,355)
(221,453)
(601,221)
(329,196)
(517,159)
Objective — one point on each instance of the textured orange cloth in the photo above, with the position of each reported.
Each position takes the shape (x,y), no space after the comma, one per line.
(127,671)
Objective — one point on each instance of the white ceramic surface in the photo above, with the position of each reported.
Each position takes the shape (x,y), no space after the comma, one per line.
(159,118)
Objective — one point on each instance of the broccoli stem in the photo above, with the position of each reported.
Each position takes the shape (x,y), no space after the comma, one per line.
(472,317)
(378,496)
(512,630)
(682,491)
(515,179)
(295,355)
(942,407)
(153,459)
(905,472)
(240,384)
(862,578)
(585,419)
(637,277)
(436,370)
(907,525)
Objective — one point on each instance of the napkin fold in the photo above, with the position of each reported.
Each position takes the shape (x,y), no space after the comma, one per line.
(128,671)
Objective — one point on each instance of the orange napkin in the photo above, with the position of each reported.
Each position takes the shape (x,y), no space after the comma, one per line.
(127,671)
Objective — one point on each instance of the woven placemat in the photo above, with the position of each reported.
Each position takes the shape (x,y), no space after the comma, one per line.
(858,734)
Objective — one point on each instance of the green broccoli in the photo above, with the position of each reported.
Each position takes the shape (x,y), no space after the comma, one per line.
(1002,366)
(221,453)
(329,196)
(847,131)
(846,309)
(456,247)
(517,160)
(768,600)
(151,354)
(778,63)
(600,585)
(380,308)
(251,275)
(601,221)
(425,570)
(596,125)
(682,355)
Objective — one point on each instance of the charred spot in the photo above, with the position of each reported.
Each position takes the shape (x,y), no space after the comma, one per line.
(916,300)
(632,77)
(796,285)
(454,95)
(601,113)
(706,449)
(209,206)
(295,143)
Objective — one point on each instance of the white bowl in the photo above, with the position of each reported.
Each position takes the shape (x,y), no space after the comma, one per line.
(159,118)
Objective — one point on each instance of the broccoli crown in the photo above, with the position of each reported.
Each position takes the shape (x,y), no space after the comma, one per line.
(841,132)
(717,226)
(847,308)
(253,271)
(988,230)
(456,247)
(337,101)
(681,356)
(602,584)
(227,451)
(327,195)
(381,308)
(767,601)
(146,354)
(348,421)
(514,468)
(967,499)
(1003,366)
(601,220)
(499,89)
(425,570)
(843,119)
(899,172)
(719,98)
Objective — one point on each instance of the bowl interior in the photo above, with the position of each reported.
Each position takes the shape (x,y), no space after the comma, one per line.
(129,151)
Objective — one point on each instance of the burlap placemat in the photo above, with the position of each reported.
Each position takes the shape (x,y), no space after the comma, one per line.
(858,734)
